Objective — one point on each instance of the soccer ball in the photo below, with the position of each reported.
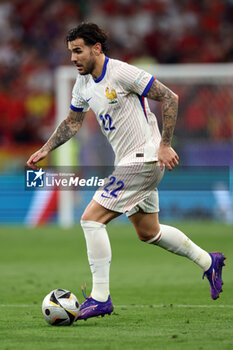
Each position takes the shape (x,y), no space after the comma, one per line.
(60,308)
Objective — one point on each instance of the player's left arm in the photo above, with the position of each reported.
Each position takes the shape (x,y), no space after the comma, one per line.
(169,100)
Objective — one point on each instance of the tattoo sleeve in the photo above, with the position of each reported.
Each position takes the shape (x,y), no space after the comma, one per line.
(65,131)
(169,99)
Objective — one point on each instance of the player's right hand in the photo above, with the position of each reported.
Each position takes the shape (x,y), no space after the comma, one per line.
(36,157)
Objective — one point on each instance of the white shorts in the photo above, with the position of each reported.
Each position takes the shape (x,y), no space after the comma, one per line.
(131,188)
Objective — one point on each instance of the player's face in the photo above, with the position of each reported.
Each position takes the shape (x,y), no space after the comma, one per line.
(82,56)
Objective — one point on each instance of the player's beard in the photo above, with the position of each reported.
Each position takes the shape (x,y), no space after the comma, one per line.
(89,66)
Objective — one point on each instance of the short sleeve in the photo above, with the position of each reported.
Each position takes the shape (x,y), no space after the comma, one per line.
(78,104)
(134,79)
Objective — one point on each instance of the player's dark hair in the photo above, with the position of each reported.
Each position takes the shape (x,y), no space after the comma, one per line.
(91,34)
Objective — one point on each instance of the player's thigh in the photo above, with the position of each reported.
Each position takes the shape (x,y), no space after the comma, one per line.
(96,212)
(146,225)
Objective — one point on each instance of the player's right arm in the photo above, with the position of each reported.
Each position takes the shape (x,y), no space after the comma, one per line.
(64,132)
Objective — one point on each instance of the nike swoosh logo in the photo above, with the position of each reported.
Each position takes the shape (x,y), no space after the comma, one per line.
(88,99)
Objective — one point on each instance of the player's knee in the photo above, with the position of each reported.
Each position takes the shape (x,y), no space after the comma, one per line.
(85,217)
(88,215)
(145,235)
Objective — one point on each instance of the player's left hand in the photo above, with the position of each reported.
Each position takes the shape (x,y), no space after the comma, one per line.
(168,157)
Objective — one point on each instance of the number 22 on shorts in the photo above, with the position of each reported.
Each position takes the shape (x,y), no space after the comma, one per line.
(112,193)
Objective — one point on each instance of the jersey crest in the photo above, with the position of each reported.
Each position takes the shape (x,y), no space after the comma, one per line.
(111,95)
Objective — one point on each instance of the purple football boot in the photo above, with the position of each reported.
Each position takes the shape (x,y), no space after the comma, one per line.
(214,274)
(93,308)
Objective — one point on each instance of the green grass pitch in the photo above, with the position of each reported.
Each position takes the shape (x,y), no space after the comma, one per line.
(160,300)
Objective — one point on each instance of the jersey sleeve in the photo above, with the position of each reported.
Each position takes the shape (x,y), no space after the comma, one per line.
(78,104)
(134,79)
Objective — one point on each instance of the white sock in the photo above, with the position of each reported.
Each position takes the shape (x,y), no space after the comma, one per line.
(99,257)
(175,241)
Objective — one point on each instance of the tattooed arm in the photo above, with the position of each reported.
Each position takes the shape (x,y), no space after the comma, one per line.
(169,100)
(159,92)
(67,129)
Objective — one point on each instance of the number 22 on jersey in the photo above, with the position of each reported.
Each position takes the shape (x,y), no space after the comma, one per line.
(107,122)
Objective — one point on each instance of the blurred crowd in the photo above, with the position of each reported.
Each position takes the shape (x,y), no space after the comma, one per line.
(32,46)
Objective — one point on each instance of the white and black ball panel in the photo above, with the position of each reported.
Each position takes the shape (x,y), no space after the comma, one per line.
(60,307)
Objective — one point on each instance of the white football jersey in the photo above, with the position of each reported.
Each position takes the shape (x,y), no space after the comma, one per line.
(118,100)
